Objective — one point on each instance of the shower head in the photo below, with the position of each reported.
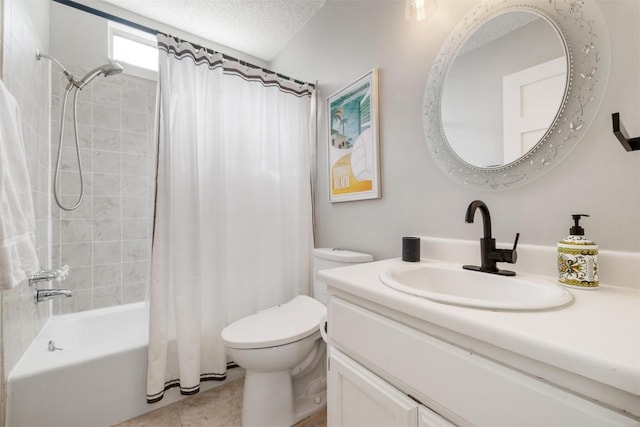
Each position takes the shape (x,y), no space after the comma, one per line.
(107,70)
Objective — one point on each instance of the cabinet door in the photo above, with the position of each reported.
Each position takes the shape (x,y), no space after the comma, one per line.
(428,418)
(356,397)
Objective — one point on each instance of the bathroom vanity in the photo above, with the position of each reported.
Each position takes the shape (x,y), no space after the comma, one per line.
(401,360)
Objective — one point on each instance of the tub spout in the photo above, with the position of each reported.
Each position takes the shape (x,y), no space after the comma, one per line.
(40,295)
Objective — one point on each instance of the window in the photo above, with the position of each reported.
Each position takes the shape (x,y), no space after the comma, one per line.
(134,49)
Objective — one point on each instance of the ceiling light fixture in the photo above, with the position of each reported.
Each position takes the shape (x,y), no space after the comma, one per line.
(417,10)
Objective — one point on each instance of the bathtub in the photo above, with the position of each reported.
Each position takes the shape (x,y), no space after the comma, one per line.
(97,380)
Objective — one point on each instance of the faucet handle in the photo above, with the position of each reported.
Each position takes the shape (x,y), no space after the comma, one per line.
(506,255)
(61,273)
(511,255)
(58,274)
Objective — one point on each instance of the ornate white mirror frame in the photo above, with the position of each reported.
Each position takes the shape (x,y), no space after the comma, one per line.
(580,25)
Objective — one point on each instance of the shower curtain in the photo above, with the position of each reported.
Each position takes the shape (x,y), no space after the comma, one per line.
(233,218)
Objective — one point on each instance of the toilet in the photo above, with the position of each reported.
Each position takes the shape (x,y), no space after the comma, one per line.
(283,353)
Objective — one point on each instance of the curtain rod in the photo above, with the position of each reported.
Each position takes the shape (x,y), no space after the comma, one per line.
(154,31)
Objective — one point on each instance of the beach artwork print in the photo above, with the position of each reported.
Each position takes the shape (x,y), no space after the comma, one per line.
(353,141)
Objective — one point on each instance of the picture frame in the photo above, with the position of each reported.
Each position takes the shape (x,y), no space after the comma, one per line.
(353,161)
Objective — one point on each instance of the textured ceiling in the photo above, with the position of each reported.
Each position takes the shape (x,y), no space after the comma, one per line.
(258,27)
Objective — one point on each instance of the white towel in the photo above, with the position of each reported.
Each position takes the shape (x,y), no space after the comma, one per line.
(18,257)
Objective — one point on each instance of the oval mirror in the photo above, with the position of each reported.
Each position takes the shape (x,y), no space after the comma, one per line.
(513,89)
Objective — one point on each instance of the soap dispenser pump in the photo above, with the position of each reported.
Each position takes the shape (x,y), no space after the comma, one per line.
(578,258)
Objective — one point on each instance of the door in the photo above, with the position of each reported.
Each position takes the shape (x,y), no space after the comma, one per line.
(356,397)
(428,418)
(531,101)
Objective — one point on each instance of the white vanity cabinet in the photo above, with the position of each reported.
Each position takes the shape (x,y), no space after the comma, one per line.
(385,373)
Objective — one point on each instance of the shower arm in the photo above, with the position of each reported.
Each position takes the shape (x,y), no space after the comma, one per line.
(73,80)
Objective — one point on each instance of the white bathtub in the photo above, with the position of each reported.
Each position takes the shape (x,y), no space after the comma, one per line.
(97,380)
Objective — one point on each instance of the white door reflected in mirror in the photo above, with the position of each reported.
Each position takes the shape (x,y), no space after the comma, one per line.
(531,101)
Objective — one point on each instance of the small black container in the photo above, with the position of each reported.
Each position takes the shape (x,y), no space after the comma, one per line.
(411,249)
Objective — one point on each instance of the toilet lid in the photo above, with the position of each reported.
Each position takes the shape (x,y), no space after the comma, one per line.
(275,326)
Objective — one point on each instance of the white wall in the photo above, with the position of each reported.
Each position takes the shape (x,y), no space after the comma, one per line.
(345,39)
(78,38)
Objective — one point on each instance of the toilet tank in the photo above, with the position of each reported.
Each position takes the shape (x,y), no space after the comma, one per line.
(325,258)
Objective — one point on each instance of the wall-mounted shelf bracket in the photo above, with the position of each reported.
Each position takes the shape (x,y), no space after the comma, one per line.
(629,144)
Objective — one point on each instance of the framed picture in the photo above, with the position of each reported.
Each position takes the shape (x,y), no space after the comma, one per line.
(353,158)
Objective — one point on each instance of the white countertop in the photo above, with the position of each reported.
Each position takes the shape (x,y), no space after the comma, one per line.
(596,336)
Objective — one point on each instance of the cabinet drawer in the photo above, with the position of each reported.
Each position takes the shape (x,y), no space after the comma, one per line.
(454,382)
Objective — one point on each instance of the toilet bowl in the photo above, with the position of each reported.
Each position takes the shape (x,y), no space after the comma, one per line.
(269,344)
(283,353)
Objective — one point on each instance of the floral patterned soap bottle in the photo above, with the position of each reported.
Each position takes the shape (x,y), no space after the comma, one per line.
(578,259)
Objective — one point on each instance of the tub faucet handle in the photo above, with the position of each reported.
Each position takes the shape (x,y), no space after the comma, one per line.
(62,273)
(58,274)
(52,347)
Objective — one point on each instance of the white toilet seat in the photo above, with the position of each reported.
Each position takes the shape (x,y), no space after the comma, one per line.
(276,326)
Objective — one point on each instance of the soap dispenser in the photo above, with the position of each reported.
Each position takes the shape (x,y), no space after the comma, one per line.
(578,258)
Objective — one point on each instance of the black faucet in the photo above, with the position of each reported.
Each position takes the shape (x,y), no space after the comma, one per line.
(490,256)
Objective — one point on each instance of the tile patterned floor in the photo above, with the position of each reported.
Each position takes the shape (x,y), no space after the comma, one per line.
(218,407)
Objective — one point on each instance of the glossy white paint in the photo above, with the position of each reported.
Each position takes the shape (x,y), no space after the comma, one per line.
(99,378)
(456,381)
(103,360)
(450,284)
(360,398)
(286,381)
(591,346)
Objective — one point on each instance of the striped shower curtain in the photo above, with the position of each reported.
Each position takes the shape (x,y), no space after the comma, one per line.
(233,221)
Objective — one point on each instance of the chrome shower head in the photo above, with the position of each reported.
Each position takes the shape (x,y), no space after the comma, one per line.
(111,69)
(107,70)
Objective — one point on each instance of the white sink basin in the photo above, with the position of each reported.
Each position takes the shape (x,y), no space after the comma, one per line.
(451,284)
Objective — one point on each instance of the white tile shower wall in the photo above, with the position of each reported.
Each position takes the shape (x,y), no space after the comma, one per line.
(106,241)
(26,27)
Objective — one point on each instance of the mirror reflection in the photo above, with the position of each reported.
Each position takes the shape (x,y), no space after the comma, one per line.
(504,89)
